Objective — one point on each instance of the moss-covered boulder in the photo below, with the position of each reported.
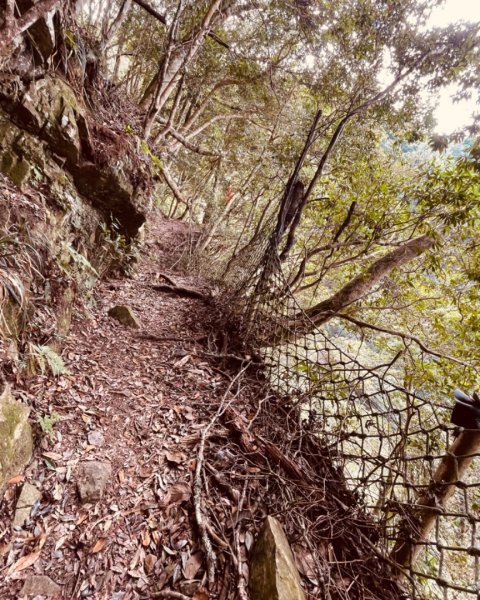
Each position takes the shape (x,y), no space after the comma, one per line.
(15,436)
(273,573)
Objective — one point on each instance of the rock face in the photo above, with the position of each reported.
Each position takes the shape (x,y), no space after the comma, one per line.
(15,437)
(92,478)
(43,126)
(28,496)
(40,585)
(273,574)
(125,315)
(94,186)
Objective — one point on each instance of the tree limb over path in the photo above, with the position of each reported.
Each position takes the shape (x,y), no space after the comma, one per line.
(308,320)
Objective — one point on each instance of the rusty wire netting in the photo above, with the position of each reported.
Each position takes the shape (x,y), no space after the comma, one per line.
(389,439)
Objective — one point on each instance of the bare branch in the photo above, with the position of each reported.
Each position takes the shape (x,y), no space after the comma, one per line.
(172,185)
(154,13)
(403,336)
(14,27)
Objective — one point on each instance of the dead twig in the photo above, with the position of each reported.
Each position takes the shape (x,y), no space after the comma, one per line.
(241,583)
(167,278)
(200,519)
(172,338)
(169,594)
(199,516)
(216,538)
(231,491)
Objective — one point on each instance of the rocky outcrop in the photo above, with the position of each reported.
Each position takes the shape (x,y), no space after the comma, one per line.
(273,573)
(44,126)
(15,437)
(74,210)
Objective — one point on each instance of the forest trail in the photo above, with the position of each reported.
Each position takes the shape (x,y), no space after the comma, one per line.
(180,427)
(130,401)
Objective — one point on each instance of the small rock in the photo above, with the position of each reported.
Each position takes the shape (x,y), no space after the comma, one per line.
(125,315)
(92,477)
(28,496)
(40,585)
(95,438)
(273,573)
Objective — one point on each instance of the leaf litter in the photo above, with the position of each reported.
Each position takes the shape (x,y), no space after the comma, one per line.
(197,451)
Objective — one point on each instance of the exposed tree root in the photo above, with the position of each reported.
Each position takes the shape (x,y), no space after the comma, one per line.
(181,291)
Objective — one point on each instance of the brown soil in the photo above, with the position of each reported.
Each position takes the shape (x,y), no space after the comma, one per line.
(140,400)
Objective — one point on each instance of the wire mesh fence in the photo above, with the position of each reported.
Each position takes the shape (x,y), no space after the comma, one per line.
(416,473)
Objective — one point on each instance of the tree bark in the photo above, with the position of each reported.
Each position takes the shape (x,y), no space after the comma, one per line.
(179,58)
(420,520)
(154,13)
(362,284)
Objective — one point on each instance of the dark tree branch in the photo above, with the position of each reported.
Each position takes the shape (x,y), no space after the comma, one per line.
(154,13)
(403,336)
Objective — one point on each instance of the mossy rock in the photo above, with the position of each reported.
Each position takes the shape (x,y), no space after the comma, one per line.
(124,315)
(15,437)
(18,169)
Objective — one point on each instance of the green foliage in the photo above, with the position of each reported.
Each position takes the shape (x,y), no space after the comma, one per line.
(117,253)
(80,261)
(46,357)
(47,423)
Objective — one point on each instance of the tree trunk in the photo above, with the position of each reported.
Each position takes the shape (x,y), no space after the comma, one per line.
(420,520)
(182,54)
(14,27)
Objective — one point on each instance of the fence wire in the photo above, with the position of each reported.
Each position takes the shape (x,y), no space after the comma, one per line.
(389,439)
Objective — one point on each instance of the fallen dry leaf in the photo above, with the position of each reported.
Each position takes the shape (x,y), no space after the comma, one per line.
(182,361)
(145,538)
(99,545)
(24,562)
(81,518)
(192,565)
(149,563)
(174,457)
(305,561)
(52,455)
(176,494)
(16,479)
(59,543)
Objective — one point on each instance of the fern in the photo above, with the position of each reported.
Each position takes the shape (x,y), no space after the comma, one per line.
(80,260)
(47,357)
(47,422)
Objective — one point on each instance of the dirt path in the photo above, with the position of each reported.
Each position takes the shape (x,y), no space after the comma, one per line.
(130,401)
(143,405)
